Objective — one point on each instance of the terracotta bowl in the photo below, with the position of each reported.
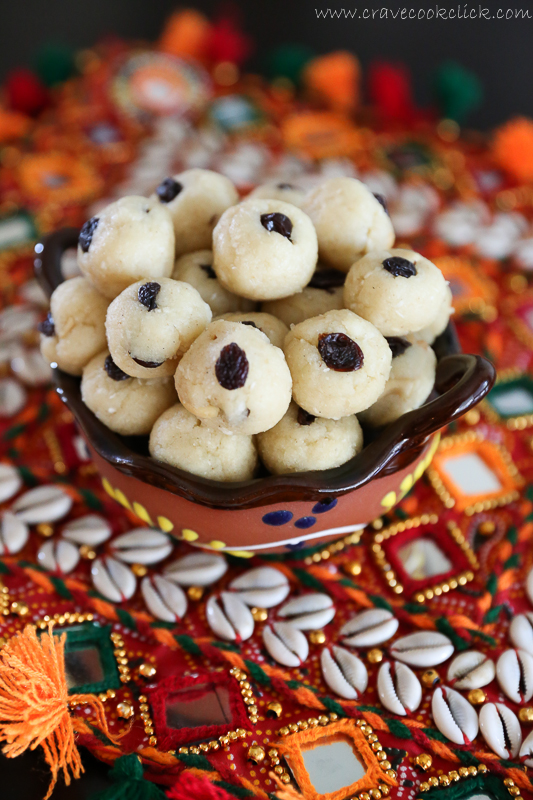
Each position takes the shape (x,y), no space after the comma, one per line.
(273,513)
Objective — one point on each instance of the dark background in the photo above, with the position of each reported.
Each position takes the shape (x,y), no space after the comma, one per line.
(499,51)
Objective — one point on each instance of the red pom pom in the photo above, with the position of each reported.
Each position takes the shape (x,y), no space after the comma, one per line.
(193,787)
(391,92)
(229,43)
(25,92)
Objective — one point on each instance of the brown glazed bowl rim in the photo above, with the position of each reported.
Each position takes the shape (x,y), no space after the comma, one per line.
(461,382)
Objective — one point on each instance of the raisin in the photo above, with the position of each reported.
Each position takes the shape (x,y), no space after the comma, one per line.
(285,186)
(399,267)
(168,190)
(398,345)
(208,269)
(87,232)
(277,223)
(47,325)
(232,367)
(327,279)
(147,364)
(114,372)
(381,200)
(304,418)
(250,323)
(147,294)
(339,352)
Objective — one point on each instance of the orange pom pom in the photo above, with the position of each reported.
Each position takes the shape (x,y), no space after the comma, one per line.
(13,125)
(512,148)
(186,34)
(335,79)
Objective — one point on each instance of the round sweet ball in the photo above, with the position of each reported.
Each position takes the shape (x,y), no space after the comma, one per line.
(74,330)
(130,239)
(411,380)
(399,291)
(126,405)
(197,269)
(349,221)
(195,199)
(302,442)
(264,249)
(438,326)
(323,293)
(152,323)
(234,379)
(274,328)
(339,364)
(273,190)
(182,440)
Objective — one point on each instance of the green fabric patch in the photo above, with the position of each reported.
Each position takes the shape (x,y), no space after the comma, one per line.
(380,602)
(512,562)
(126,619)
(59,586)
(309,580)
(492,615)
(195,761)
(129,782)
(333,706)
(398,729)
(444,627)
(257,674)
(188,644)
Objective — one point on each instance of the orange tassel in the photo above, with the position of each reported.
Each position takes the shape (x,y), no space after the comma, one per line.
(34,702)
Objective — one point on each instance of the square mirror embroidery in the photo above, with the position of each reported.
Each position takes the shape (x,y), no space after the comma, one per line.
(205,706)
(90,664)
(423,558)
(471,475)
(332,766)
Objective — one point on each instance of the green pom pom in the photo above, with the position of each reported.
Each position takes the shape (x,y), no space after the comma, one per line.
(129,784)
(54,63)
(288,61)
(458,91)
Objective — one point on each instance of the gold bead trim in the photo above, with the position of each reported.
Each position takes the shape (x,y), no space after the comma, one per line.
(512,788)
(121,657)
(214,744)
(146,719)
(334,548)
(518,423)
(5,601)
(453,776)
(69,618)
(247,693)
(485,505)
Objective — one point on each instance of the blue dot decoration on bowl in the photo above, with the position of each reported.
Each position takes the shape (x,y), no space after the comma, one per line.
(324,505)
(305,522)
(277,518)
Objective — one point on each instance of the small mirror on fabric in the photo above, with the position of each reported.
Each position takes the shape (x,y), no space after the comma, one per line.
(472,474)
(203,705)
(423,558)
(83,666)
(332,765)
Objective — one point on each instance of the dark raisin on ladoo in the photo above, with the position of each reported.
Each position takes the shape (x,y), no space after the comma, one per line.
(147,364)
(327,279)
(304,417)
(250,323)
(209,271)
(398,345)
(284,186)
(147,294)
(381,200)
(399,267)
(114,372)
(232,367)
(168,190)
(47,325)
(277,223)
(87,232)
(339,352)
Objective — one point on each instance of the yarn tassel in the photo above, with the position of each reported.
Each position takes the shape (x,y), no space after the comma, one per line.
(34,702)
(129,783)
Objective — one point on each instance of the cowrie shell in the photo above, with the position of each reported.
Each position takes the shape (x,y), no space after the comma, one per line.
(398,688)
(13,397)
(14,533)
(91,530)
(10,482)
(197,569)
(16,321)
(142,546)
(58,556)
(229,618)
(264,587)
(529,585)
(308,612)
(344,673)
(31,292)
(471,670)
(369,628)
(113,579)
(521,632)
(454,716)
(422,649)
(526,751)
(30,367)
(43,504)
(500,728)
(286,644)
(514,671)
(165,600)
